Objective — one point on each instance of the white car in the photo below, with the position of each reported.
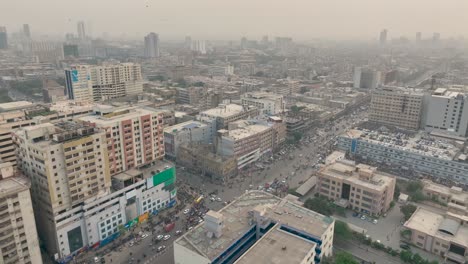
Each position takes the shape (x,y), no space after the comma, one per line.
(161,248)
(96,260)
(186,211)
(375,221)
(166,237)
(200,221)
(218,199)
(159,237)
(144,236)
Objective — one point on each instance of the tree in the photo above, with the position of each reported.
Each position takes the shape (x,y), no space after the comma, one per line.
(320,205)
(406,256)
(408,210)
(414,186)
(417,196)
(397,192)
(199,84)
(342,230)
(345,258)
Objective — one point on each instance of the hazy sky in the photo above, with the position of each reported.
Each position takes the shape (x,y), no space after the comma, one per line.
(304,19)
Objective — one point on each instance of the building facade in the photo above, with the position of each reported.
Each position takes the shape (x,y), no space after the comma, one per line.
(19,241)
(365,78)
(358,187)
(152,45)
(268,103)
(185,133)
(3,38)
(396,106)
(227,113)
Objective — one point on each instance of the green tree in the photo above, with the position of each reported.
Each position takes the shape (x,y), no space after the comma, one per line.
(320,205)
(342,230)
(408,210)
(417,196)
(414,186)
(345,258)
(406,256)
(199,84)
(397,192)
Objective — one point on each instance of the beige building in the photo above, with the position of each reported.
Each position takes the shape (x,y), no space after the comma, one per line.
(18,234)
(395,106)
(9,121)
(443,235)
(227,113)
(255,226)
(455,198)
(67,164)
(359,187)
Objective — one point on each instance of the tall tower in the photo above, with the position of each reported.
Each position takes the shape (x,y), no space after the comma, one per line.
(383,37)
(3,38)
(418,36)
(26,31)
(81,30)
(152,45)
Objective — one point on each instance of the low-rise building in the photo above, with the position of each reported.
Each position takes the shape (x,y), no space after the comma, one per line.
(359,187)
(268,103)
(19,243)
(185,133)
(255,225)
(227,113)
(445,235)
(455,198)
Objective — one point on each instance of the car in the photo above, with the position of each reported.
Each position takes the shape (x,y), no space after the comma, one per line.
(219,199)
(144,236)
(186,211)
(212,199)
(375,221)
(405,246)
(159,237)
(190,227)
(131,244)
(200,221)
(178,232)
(166,237)
(363,217)
(161,248)
(355,214)
(96,259)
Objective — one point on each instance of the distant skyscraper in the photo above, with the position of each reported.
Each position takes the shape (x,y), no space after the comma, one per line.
(418,36)
(243,42)
(188,42)
(436,37)
(81,30)
(198,46)
(365,78)
(383,37)
(3,38)
(152,45)
(265,40)
(26,31)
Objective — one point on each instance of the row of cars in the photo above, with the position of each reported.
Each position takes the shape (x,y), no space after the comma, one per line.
(365,218)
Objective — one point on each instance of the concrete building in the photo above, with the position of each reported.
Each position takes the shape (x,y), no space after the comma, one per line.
(443,235)
(67,165)
(46,51)
(413,154)
(134,136)
(3,38)
(52,91)
(268,103)
(81,30)
(365,78)
(202,158)
(455,198)
(26,31)
(86,83)
(246,141)
(198,46)
(227,113)
(19,242)
(383,37)
(191,95)
(395,106)
(185,133)
(9,121)
(358,187)
(446,112)
(254,226)
(152,45)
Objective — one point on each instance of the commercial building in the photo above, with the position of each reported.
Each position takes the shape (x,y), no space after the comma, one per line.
(395,106)
(365,78)
(246,141)
(254,226)
(358,187)
(81,30)
(443,235)
(9,121)
(198,46)
(3,38)
(191,95)
(46,51)
(19,242)
(86,83)
(268,103)
(185,133)
(52,91)
(455,198)
(26,31)
(418,153)
(227,113)
(152,45)
(383,37)
(134,135)
(446,112)
(202,158)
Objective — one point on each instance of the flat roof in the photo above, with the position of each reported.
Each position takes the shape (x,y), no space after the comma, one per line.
(14,105)
(306,186)
(247,131)
(119,114)
(13,185)
(224,110)
(279,247)
(185,125)
(236,222)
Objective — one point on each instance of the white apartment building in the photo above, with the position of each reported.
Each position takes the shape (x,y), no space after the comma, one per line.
(18,234)
(184,133)
(227,113)
(446,112)
(268,103)
(134,135)
(396,106)
(86,83)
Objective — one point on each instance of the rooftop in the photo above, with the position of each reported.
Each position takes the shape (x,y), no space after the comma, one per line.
(237,222)
(224,110)
(262,95)
(107,115)
(15,105)
(247,131)
(184,126)
(421,142)
(13,185)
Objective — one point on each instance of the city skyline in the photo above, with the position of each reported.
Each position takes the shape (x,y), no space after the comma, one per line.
(332,19)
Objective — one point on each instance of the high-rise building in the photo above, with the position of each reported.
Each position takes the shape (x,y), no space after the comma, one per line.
(243,43)
(152,45)
(87,83)
(418,36)
(135,136)
(26,31)
(3,38)
(446,112)
(365,78)
(19,243)
(360,187)
(188,42)
(436,37)
(81,30)
(67,164)
(383,37)
(45,51)
(70,50)
(198,46)
(396,106)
